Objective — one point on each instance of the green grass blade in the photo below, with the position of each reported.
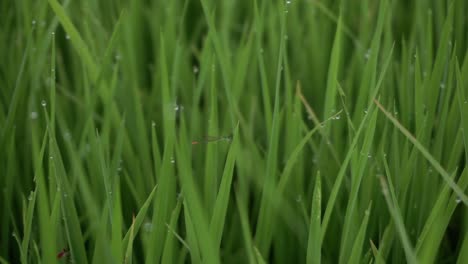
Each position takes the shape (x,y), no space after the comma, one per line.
(426,154)
(315,244)
(356,252)
(222,200)
(397,218)
(75,38)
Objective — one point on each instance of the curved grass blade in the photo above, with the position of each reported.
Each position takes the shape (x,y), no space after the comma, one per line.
(426,154)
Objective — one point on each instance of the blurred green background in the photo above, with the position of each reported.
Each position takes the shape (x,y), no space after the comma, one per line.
(328,131)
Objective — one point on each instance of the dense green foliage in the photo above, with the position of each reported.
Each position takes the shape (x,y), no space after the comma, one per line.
(341,122)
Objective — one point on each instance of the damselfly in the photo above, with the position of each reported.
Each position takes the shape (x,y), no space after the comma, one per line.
(63,253)
(209,139)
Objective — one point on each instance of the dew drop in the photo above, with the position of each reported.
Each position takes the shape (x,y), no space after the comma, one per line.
(458,200)
(148,227)
(43,103)
(67,135)
(195,69)
(153,124)
(288,2)
(53,33)
(178,108)
(34,115)
(67,37)
(51,157)
(30,197)
(442,85)
(172,160)
(299,198)
(367,55)
(34,22)
(365,111)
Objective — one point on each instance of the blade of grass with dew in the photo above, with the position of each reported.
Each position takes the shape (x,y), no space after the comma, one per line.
(168,255)
(75,38)
(343,168)
(332,78)
(54,220)
(314,247)
(111,46)
(43,207)
(166,194)
(258,23)
(356,252)
(317,122)
(368,81)
(32,205)
(32,202)
(263,233)
(426,154)
(348,243)
(29,215)
(72,223)
(396,215)
(104,171)
(218,218)
(226,67)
